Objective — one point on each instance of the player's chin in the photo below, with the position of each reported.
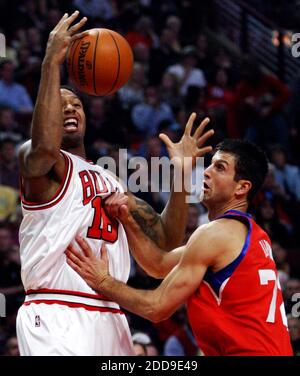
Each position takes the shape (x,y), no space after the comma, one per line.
(206,197)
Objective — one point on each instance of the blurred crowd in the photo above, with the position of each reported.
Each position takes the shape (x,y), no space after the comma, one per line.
(177,70)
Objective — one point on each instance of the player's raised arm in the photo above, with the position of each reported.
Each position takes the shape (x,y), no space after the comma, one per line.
(38,156)
(156,305)
(167,229)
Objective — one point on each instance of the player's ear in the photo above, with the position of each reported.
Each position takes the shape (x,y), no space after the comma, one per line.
(243,187)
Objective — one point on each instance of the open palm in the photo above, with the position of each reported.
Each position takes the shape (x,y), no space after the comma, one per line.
(190,146)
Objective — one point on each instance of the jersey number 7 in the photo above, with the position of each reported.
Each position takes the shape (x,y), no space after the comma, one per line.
(266,275)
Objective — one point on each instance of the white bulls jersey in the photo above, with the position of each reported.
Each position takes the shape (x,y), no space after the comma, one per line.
(49,227)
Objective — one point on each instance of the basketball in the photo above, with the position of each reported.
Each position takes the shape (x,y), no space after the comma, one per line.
(100,62)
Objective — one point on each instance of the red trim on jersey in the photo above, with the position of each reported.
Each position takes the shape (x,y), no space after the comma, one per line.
(68,292)
(29,205)
(75,305)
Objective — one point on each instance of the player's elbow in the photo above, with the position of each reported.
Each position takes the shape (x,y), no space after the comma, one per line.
(161,274)
(158,313)
(158,272)
(160,269)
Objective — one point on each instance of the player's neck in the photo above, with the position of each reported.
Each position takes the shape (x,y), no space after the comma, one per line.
(79,151)
(217,211)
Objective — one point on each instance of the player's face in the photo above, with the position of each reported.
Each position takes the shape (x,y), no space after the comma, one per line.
(73,117)
(219,184)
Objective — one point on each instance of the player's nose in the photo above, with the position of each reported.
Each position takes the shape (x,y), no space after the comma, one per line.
(69,108)
(207,173)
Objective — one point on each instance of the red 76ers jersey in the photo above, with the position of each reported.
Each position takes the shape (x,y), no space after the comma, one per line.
(239,310)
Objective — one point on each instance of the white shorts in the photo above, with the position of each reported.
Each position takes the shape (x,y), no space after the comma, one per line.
(57,329)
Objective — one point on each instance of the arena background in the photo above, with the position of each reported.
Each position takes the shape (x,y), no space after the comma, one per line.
(221,46)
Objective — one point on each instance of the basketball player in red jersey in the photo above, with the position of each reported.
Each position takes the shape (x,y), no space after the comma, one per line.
(62,197)
(225,272)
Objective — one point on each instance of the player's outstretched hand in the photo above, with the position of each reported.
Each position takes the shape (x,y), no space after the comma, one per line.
(61,37)
(190,146)
(92,269)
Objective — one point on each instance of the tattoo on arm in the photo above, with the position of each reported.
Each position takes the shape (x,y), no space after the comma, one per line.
(149,221)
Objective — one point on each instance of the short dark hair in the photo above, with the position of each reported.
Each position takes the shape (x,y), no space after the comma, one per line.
(251,162)
(72,89)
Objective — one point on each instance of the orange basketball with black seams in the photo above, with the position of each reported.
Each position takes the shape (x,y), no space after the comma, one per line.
(100,62)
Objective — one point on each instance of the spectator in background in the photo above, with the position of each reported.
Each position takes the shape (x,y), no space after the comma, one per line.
(97,119)
(280,258)
(162,57)
(204,57)
(260,100)
(103,9)
(286,175)
(28,15)
(223,60)
(181,342)
(133,92)
(139,349)
(186,71)
(173,23)
(8,204)
(6,241)
(11,347)
(52,19)
(35,43)
(147,116)
(28,71)
(9,168)
(143,33)
(269,221)
(219,103)
(169,89)
(143,344)
(105,115)
(283,206)
(10,269)
(9,128)
(294,328)
(13,94)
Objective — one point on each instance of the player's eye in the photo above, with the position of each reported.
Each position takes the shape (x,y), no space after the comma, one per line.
(220,166)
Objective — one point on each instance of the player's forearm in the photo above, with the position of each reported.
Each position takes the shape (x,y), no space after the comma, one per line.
(46,130)
(144,303)
(174,219)
(146,253)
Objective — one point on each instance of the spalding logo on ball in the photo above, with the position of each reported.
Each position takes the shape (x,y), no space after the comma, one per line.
(100,62)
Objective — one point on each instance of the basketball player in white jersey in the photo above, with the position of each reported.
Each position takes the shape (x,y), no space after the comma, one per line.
(62,197)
